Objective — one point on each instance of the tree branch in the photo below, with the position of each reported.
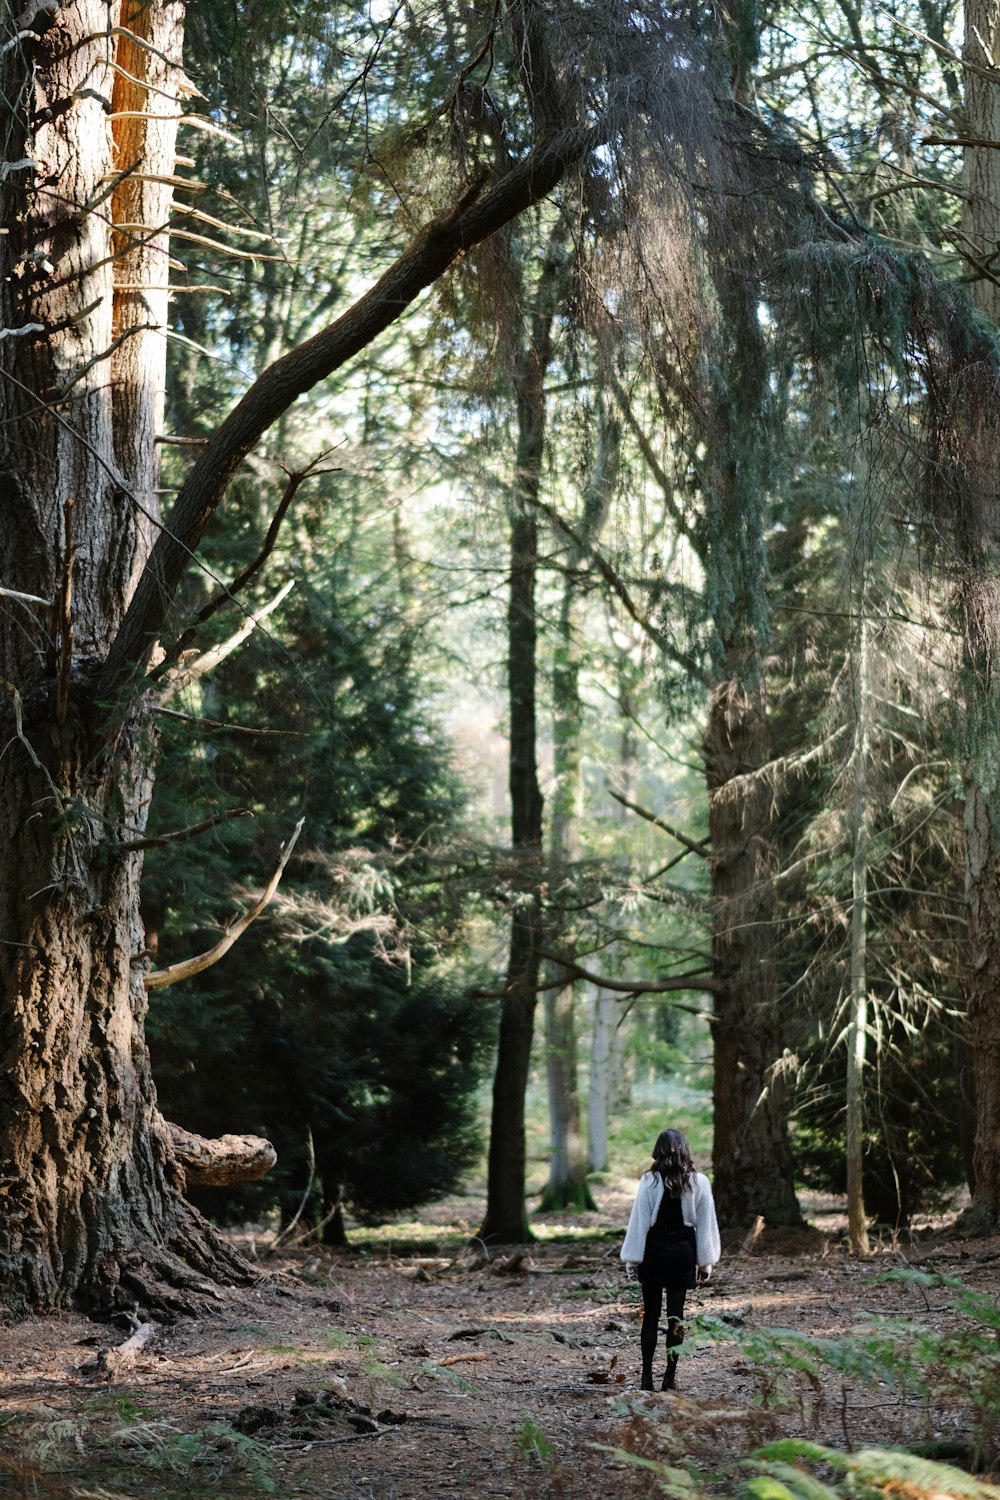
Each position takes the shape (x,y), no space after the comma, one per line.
(695,979)
(199,666)
(695,847)
(160,978)
(181,835)
(426,259)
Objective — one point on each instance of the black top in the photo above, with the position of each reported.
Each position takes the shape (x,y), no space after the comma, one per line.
(668,1225)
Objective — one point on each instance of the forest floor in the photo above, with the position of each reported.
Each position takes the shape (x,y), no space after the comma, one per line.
(404,1371)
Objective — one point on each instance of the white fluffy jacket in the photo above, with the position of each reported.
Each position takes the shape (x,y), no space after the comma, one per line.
(697,1210)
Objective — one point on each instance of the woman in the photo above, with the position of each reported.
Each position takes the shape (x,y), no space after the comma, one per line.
(672,1243)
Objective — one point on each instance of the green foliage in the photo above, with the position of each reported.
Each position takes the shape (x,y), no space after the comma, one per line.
(215,1451)
(954,1370)
(341,1012)
(533,1444)
(872,1472)
(954,1367)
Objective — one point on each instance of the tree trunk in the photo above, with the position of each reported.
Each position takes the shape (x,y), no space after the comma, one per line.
(506,1217)
(91,1200)
(857,1019)
(599,1088)
(979,540)
(567,1184)
(751,1163)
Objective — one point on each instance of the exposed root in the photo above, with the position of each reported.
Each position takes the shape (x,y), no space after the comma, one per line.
(186,1275)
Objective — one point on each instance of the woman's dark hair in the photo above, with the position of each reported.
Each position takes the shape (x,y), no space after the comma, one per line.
(673,1160)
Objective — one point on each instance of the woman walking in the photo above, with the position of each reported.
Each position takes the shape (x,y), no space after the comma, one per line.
(671,1244)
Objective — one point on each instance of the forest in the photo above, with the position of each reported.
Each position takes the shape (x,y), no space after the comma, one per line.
(499,609)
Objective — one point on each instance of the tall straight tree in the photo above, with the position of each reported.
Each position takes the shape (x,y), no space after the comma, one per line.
(567,1185)
(506,1215)
(979,546)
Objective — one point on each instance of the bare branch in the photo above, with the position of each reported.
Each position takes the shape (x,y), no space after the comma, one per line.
(24,598)
(695,847)
(209,660)
(295,479)
(181,835)
(174,973)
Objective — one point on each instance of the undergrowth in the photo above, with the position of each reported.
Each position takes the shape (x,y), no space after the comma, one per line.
(944,1380)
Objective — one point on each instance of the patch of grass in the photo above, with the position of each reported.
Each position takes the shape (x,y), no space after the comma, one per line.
(435,1371)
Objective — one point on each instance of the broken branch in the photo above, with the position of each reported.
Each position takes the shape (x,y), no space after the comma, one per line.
(174,973)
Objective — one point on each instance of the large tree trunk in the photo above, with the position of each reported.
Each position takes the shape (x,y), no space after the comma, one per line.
(979,539)
(91,1202)
(752,1169)
(92,89)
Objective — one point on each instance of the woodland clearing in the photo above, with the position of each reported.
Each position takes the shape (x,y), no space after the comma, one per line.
(406,1370)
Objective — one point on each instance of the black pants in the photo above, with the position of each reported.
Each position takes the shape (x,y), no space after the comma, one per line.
(653,1293)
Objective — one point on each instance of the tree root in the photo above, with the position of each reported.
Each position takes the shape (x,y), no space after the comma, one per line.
(185,1275)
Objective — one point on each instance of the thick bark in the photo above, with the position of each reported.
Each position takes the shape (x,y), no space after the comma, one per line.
(752,1169)
(220,1162)
(91,1195)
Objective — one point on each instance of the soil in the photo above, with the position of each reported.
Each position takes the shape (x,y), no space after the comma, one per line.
(404,1372)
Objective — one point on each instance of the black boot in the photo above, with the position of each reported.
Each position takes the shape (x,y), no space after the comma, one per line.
(668,1379)
(646,1383)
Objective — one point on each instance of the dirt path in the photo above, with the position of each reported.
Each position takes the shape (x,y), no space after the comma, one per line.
(404,1378)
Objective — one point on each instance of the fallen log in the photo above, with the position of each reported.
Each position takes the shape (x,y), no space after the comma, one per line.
(111,1364)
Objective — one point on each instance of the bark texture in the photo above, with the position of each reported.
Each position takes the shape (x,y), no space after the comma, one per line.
(751,1163)
(91,1202)
(979,542)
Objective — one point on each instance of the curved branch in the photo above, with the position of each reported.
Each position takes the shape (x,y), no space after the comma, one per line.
(472,218)
(160,978)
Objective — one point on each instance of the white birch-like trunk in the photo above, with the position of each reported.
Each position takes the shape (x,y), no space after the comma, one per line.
(857,1023)
(599,1090)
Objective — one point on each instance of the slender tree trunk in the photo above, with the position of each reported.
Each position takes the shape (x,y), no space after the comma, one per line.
(506,1216)
(567,1184)
(602,1047)
(857,1020)
(599,1089)
(979,542)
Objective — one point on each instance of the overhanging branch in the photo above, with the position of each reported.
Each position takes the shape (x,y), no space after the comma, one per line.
(471,219)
